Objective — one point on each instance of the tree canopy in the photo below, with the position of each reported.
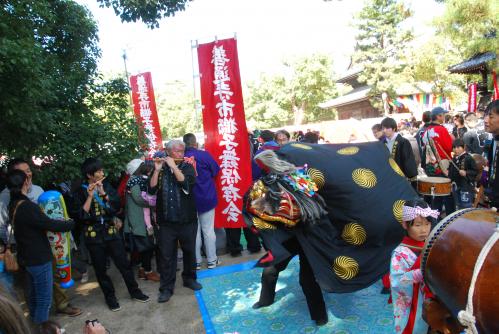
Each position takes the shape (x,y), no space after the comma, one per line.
(52,103)
(176,112)
(292,98)
(382,46)
(470,25)
(150,12)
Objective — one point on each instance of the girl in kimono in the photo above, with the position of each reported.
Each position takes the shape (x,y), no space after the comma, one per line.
(405,273)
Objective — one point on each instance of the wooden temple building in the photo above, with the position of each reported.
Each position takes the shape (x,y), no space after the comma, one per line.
(477,64)
(414,99)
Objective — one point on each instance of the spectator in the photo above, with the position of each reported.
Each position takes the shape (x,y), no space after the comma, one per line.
(474,138)
(60,297)
(378,132)
(464,177)
(33,248)
(311,138)
(298,136)
(426,119)
(173,181)
(448,123)
(282,137)
(437,148)
(491,122)
(12,320)
(96,204)
(205,196)
(459,129)
(400,149)
(138,227)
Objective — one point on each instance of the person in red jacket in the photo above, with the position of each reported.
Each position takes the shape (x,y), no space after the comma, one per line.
(437,149)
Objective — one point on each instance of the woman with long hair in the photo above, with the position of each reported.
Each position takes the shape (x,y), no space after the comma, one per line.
(33,249)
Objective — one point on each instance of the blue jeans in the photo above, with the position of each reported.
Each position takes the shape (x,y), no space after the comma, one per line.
(40,291)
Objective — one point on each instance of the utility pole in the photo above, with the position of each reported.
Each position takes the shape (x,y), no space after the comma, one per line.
(126,76)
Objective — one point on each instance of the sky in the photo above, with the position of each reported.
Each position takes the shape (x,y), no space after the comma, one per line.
(267,32)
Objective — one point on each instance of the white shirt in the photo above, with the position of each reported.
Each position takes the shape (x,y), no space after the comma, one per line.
(389,142)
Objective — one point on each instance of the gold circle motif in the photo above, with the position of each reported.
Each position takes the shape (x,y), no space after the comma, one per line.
(90,228)
(397,209)
(93,234)
(349,150)
(364,177)
(354,234)
(302,146)
(345,267)
(396,167)
(261,224)
(317,176)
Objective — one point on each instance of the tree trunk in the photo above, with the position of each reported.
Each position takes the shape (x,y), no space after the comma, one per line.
(299,113)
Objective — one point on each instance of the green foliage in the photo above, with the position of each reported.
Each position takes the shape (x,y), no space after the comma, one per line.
(51,104)
(430,64)
(382,46)
(471,25)
(176,112)
(264,105)
(150,11)
(293,98)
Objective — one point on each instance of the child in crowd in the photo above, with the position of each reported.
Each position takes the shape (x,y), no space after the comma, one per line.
(406,278)
(464,179)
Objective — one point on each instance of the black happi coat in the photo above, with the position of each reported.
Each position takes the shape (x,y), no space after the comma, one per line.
(404,156)
(98,226)
(350,248)
(464,162)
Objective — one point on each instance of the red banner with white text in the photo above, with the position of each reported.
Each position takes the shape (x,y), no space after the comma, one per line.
(472,92)
(495,96)
(144,107)
(225,127)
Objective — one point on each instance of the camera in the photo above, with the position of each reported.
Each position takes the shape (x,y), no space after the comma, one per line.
(93,322)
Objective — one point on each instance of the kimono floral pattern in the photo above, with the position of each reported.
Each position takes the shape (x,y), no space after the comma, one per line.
(402,288)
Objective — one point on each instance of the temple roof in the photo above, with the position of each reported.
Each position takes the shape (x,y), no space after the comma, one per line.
(350,74)
(475,64)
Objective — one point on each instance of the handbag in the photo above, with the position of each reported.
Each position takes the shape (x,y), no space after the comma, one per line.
(137,243)
(10,259)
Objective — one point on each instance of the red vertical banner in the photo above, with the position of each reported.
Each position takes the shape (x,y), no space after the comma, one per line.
(225,127)
(472,92)
(144,107)
(496,88)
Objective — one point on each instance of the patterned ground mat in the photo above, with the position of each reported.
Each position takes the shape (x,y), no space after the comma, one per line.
(229,292)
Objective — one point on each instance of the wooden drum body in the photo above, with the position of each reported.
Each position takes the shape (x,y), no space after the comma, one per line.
(434,186)
(448,262)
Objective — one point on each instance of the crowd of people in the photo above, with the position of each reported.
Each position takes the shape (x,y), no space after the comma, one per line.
(163,210)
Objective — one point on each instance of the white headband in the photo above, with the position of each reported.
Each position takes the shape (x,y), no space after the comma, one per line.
(409,213)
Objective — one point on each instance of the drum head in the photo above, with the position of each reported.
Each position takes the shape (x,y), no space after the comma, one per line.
(437,231)
(434,179)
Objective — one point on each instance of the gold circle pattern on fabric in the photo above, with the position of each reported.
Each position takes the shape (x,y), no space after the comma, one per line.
(364,177)
(345,267)
(317,176)
(261,224)
(349,150)
(396,167)
(397,209)
(302,146)
(354,234)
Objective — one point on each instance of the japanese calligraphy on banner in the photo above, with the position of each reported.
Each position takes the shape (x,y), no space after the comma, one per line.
(225,127)
(144,107)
